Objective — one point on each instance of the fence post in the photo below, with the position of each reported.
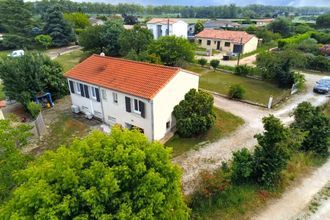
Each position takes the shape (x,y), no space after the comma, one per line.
(270,102)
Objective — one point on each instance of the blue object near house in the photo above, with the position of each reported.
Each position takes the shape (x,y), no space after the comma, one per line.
(44,99)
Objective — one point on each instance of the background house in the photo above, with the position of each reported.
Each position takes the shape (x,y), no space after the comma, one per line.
(229,41)
(221,24)
(132,94)
(168,26)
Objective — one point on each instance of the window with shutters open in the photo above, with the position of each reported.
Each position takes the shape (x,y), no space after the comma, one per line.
(77,87)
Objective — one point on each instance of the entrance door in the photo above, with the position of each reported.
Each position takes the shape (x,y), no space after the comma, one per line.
(218,45)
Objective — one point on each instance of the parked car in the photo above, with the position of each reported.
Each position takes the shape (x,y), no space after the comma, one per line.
(16,53)
(322,86)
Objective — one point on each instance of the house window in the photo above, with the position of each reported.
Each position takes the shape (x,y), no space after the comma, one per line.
(93,92)
(200,41)
(104,94)
(136,106)
(77,87)
(227,44)
(115,97)
(168,124)
(208,42)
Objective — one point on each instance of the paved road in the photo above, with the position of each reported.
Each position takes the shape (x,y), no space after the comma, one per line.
(211,156)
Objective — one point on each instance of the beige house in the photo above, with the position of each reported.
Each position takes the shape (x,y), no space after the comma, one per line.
(228,41)
(132,94)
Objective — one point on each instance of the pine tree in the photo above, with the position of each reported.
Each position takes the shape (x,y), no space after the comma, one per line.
(60,31)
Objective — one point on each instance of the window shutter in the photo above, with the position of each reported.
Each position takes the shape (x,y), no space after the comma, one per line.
(82,90)
(128,104)
(97,92)
(142,109)
(71,86)
(86,91)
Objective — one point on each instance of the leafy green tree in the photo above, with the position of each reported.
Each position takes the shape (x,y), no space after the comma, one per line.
(215,63)
(313,121)
(137,39)
(172,50)
(199,26)
(117,176)
(44,40)
(13,136)
(77,19)
(26,76)
(58,28)
(271,154)
(202,61)
(105,38)
(242,166)
(282,26)
(323,21)
(194,115)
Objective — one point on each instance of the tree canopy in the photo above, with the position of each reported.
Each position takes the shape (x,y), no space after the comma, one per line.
(282,26)
(77,19)
(323,21)
(117,176)
(194,115)
(58,28)
(26,76)
(172,50)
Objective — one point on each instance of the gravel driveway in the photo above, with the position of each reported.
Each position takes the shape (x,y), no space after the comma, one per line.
(210,156)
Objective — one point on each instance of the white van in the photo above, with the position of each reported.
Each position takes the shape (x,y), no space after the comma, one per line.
(16,53)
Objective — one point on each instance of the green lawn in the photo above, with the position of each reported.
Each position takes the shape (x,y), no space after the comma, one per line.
(225,124)
(69,60)
(256,90)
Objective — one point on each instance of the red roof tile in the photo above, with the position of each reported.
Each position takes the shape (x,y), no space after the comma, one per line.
(163,21)
(136,78)
(233,36)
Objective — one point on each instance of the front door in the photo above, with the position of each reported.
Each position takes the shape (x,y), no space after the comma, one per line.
(218,45)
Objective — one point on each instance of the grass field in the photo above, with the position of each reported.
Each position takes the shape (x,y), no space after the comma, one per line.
(255,90)
(225,124)
(69,60)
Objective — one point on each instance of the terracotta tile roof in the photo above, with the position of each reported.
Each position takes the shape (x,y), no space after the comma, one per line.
(233,36)
(163,21)
(136,78)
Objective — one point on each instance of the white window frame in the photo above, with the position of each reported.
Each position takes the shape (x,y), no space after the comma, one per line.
(93,92)
(136,106)
(104,94)
(115,97)
(77,87)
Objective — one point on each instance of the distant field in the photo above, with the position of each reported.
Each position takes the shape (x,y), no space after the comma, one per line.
(69,60)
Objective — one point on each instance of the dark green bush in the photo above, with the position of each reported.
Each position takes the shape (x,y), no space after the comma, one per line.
(242,166)
(202,61)
(215,63)
(34,109)
(236,92)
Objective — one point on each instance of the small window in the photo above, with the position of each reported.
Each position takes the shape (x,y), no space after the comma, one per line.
(136,106)
(104,94)
(115,97)
(215,42)
(168,124)
(227,44)
(93,92)
(77,87)
(208,42)
(200,41)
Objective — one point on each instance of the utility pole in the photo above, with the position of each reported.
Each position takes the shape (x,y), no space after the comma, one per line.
(168,27)
(240,51)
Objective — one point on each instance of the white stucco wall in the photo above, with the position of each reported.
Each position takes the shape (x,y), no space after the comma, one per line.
(251,45)
(87,104)
(167,98)
(115,113)
(180,29)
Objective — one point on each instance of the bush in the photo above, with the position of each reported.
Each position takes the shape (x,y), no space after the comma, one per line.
(202,62)
(319,63)
(34,109)
(215,63)
(242,166)
(236,92)
(194,115)
(244,70)
(293,40)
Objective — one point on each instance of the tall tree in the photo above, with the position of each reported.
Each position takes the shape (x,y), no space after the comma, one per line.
(58,28)
(117,176)
(199,26)
(323,21)
(13,136)
(172,50)
(77,19)
(137,39)
(26,76)
(282,26)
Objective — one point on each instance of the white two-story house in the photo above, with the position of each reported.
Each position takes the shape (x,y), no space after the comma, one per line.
(168,27)
(133,94)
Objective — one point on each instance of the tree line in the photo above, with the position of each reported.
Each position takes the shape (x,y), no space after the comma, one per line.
(226,11)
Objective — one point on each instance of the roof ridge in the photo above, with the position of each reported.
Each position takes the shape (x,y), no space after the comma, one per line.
(139,62)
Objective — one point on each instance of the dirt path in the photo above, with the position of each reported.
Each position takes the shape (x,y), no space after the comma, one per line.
(295,200)
(211,156)
(54,53)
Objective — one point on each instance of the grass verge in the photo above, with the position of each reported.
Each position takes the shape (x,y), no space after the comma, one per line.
(224,124)
(69,60)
